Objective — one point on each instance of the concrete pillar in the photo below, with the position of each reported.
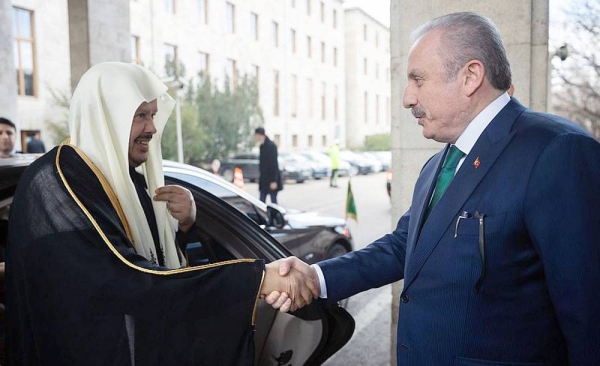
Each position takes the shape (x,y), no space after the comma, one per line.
(8,75)
(99,31)
(524,28)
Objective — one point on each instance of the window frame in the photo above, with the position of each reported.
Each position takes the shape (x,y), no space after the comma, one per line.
(17,41)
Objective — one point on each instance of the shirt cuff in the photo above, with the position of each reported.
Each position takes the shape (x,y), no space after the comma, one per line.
(323,294)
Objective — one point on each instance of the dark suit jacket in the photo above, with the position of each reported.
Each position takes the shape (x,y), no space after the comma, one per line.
(538,184)
(268,166)
(35,146)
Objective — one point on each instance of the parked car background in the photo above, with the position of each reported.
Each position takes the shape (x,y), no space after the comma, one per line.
(291,168)
(295,167)
(247,161)
(373,161)
(318,168)
(309,336)
(359,164)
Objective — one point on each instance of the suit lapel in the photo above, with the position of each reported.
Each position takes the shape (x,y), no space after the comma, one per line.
(487,149)
(421,197)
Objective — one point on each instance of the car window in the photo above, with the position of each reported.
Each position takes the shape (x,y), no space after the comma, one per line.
(226,195)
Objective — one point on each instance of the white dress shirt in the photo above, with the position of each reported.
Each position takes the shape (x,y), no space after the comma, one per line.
(465,143)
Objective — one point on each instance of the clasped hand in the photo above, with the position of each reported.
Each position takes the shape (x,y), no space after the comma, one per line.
(290,284)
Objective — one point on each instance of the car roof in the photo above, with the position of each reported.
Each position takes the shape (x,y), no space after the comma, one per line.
(175,167)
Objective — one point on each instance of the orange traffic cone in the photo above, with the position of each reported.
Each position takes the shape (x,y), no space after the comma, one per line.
(238,178)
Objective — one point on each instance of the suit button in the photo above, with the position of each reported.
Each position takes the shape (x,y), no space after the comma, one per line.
(404,298)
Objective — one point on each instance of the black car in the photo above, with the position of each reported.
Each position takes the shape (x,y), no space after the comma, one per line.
(248,162)
(309,336)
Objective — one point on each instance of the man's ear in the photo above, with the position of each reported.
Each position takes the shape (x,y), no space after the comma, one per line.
(473,76)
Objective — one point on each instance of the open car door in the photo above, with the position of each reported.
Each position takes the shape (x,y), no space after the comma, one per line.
(307,337)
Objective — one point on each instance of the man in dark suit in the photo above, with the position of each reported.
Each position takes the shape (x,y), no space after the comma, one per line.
(500,250)
(269,181)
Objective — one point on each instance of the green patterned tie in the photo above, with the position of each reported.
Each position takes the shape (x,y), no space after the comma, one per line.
(445,177)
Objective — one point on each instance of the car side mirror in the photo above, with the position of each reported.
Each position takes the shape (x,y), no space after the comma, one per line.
(276,215)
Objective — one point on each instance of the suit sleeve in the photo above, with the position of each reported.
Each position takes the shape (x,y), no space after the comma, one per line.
(378,264)
(563,219)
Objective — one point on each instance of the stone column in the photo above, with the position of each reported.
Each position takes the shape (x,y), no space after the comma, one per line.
(8,74)
(524,28)
(99,31)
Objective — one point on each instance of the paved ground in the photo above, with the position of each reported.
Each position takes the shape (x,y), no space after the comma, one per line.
(370,344)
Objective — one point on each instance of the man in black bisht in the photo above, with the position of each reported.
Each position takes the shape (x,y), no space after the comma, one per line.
(94,276)
(269,182)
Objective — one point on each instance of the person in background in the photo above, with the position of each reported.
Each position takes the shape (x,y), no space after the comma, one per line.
(269,181)
(8,133)
(334,155)
(35,145)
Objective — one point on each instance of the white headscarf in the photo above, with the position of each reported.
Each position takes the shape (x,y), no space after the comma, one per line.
(100,118)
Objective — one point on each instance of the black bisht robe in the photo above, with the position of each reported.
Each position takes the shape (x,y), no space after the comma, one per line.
(78,294)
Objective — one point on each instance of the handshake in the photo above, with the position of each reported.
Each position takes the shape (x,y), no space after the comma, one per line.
(290,284)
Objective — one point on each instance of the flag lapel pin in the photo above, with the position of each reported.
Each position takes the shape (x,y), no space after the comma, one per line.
(477,163)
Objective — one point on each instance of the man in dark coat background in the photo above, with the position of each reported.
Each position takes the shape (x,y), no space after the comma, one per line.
(270,181)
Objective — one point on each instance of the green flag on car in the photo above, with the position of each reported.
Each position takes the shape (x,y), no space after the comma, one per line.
(350,205)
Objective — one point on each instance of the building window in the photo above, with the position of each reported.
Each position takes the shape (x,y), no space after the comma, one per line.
(324,141)
(335,56)
(387,74)
(365,66)
(171,64)
(276,93)
(310,140)
(364,32)
(323,52)
(254,26)
(231,73)
(308,9)
(377,109)
(24,48)
(293,3)
(377,70)
(294,140)
(366,107)
(322,12)
(377,39)
(169,6)
(335,103)
(308,47)
(275,34)
(230,20)
(309,88)
(293,40)
(334,19)
(294,93)
(203,64)
(277,139)
(323,102)
(203,11)
(135,50)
